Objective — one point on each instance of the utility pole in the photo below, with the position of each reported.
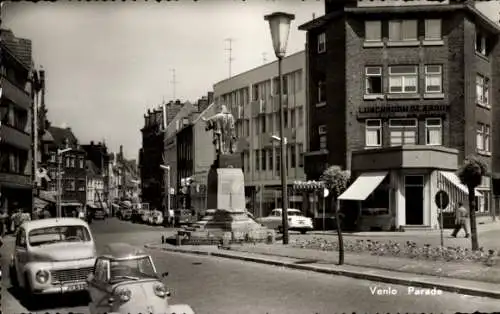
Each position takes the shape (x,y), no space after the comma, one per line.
(264,59)
(173,82)
(35,87)
(230,49)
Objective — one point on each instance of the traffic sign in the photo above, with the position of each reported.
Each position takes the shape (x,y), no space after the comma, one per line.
(442,199)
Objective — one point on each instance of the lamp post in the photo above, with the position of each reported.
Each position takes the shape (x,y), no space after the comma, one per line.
(279,23)
(167,170)
(60,152)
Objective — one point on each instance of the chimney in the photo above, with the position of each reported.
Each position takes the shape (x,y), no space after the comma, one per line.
(121,151)
(210,97)
(91,143)
(178,102)
(314,16)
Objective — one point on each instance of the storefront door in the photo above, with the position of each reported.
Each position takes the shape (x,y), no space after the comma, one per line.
(414,199)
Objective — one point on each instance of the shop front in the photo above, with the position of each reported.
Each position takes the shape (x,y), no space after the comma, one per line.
(396,188)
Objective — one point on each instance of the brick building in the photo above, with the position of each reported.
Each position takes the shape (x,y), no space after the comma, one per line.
(98,160)
(400,93)
(15,122)
(73,167)
(253,98)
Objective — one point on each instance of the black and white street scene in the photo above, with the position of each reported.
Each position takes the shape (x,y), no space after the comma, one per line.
(274,157)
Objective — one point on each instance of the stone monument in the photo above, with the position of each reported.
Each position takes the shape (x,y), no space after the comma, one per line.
(225,183)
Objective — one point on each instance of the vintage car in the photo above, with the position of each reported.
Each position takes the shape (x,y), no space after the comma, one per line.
(296,221)
(125,280)
(53,255)
(156,218)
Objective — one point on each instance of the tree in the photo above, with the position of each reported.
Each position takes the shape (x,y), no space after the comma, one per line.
(471,173)
(336,181)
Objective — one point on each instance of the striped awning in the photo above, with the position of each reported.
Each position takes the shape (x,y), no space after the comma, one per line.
(450,183)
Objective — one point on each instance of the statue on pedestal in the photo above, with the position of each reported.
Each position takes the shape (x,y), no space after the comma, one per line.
(224,133)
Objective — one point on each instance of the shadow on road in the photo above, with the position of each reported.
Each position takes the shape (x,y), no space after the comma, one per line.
(49,302)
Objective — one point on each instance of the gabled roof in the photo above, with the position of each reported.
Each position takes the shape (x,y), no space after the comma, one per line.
(20,48)
(61,134)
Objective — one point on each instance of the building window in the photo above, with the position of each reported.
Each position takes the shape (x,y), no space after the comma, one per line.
(402,30)
(301,116)
(293,157)
(321,91)
(81,185)
(373,133)
(292,118)
(322,129)
(285,84)
(482,90)
(70,185)
(321,43)
(255,90)
(322,142)
(81,162)
(277,151)
(270,154)
(285,118)
(263,123)
(298,81)
(373,30)
(373,80)
(72,162)
(257,160)
(263,159)
(52,157)
(300,154)
(403,79)
(483,137)
(433,131)
(481,44)
(403,132)
(68,162)
(433,29)
(433,79)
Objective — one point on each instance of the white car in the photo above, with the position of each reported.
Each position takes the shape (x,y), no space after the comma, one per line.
(52,255)
(296,221)
(156,218)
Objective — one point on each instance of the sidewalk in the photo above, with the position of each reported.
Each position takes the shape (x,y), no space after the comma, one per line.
(464,278)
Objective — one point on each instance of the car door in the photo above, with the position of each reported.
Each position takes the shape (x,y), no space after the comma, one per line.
(20,254)
(98,286)
(269,221)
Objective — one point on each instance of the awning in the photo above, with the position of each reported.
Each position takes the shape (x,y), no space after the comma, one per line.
(363,186)
(455,180)
(49,196)
(71,204)
(39,203)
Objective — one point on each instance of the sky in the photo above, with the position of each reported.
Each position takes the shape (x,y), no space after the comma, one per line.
(106,63)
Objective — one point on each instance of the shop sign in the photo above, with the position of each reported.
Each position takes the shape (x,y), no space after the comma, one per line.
(404,109)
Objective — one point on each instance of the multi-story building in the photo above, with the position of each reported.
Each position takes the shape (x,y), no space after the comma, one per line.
(252,97)
(400,92)
(98,155)
(72,166)
(96,191)
(15,122)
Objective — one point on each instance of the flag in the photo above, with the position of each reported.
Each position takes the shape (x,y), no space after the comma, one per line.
(42,174)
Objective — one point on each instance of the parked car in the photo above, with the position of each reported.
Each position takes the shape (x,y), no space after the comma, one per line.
(126,213)
(183,217)
(296,221)
(125,280)
(97,212)
(145,216)
(156,218)
(53,255)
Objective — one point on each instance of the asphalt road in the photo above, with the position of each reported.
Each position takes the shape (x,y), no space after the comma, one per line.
(215,285)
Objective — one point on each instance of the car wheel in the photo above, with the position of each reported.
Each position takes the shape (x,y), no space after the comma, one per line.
(13,277)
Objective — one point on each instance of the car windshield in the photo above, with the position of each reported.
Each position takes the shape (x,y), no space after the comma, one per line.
(295,213)
(57,234)
(132,269)
(207,218)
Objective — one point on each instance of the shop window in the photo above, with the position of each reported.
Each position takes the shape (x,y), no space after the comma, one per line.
(433,79)
(433,29)
(403,132)
(373,80)
(482,90)
(373,31)
(433,131)
(321,43)
(402,30)
(403,79)
(373,133)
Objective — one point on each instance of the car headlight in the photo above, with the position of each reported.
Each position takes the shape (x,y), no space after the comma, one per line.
(160,290)
(123,294)
(42,276)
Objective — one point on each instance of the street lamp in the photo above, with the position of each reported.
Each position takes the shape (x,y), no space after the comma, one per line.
(167,169)
(279,23)
(60,152)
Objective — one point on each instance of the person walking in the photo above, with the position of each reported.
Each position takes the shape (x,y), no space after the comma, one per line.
(461,216)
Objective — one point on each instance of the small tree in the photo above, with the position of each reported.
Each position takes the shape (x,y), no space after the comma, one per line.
(471,173)
(336,181)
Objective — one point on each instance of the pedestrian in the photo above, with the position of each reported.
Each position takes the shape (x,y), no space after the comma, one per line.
(461,216)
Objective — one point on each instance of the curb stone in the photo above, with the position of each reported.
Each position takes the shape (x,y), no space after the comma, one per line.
(361,274)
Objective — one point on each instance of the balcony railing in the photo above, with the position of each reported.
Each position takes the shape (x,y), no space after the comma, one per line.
(15,94)
(14,137)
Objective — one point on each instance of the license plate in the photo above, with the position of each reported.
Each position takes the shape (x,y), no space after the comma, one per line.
(76,287)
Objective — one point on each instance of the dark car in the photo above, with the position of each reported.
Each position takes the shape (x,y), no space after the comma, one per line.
(97,213)
(183,217)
